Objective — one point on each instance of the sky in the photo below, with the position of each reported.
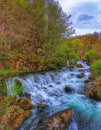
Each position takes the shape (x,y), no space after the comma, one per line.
(85,14)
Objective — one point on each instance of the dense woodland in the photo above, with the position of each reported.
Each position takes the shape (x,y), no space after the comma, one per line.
(31,33)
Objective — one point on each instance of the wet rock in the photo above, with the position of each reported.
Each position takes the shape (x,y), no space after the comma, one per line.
(14,117)
(81,75)
(41,107)
(72,74)
(25,104)
(92,78)
(71,67)
(93,89)
(50,86)
(79,65)
(44,88)
(67,89)
(58,82)
(13,112)
(87,81)
(27,95)
(59,121)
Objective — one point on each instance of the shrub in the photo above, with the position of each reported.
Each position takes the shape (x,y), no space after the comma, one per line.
(99,93)
(96,67)
(90,55)
(17,88)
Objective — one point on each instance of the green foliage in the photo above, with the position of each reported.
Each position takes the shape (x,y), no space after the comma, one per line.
(96,67)
(90,55)
(27,31)
(99,93)
(17,88)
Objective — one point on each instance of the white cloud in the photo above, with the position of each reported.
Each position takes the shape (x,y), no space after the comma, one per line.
(86,14)
(68,4)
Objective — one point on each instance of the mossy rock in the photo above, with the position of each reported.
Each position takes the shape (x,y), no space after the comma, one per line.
(79,65)
(81,75)
(59,121)
(67,89)
(13,112)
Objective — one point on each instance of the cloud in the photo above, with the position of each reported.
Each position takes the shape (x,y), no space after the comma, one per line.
(86,15)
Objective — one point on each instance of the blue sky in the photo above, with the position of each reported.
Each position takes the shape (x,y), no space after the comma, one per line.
(86,14)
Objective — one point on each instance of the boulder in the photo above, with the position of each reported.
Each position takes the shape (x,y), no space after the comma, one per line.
(59,121)
(13,117)
(81,75)
(27,95)
(13,112)
(92,91)
(41,107)
(87,81)
(79,65)
(67,89)
(50,86)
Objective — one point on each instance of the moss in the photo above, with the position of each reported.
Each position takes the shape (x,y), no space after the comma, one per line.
(17,88)
(14,112)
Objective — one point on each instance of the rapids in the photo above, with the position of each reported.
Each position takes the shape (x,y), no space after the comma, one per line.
(49,88)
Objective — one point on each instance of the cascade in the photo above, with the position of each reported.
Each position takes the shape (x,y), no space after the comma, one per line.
(49,88)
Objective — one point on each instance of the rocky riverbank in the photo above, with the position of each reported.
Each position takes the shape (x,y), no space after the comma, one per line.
(59,121)
(13,112)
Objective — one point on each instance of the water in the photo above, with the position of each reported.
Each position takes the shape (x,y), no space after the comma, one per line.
(48,88)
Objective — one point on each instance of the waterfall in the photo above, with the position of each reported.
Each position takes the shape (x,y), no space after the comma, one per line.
(49,88)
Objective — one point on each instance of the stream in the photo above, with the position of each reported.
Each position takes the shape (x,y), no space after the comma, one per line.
(49,88)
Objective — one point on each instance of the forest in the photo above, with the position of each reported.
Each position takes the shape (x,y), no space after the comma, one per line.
(37,36)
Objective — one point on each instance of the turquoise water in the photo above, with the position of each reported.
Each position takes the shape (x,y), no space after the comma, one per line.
(48,88)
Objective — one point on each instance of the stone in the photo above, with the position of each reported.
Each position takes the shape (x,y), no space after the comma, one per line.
(81,75)
(13,112)
(50,86)
(41,107)
(79,65)
(67,89)
(87,81)
(59,121)
(27,95)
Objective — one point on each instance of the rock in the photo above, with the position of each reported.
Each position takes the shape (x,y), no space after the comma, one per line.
(71,66)
(44,88)
(25,104)
(67,89)
(79,65)
(58,82)
(87,81)
(41,107)
(14,117)
(13,112)
(91,91)
(81,75)
(50,86)
(93,88)
(92,78)
(27,95)
(59,121)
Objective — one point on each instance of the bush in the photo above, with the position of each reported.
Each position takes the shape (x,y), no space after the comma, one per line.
(96,67)
(99,93)
(17,88)
(90,55)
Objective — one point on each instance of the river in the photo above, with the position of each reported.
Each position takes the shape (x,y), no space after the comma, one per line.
(49,88)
